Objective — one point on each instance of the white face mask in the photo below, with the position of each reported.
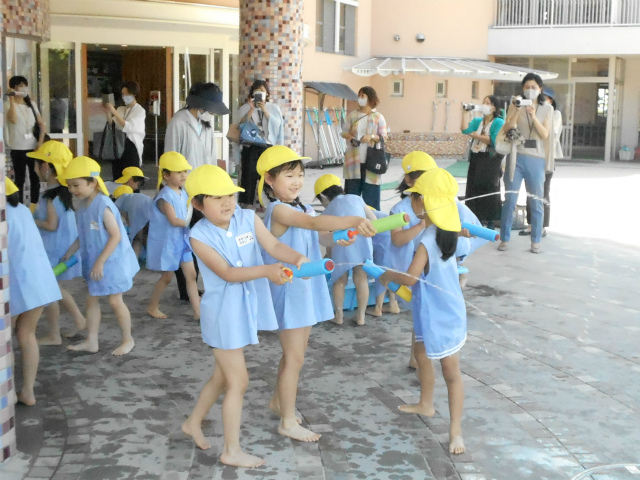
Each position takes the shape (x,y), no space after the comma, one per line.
(486,109)
(532,93)
(362,101)
(23,90)
(127,99)
(205,117)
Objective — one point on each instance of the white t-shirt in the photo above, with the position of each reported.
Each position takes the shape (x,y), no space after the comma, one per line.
(134,125)
(19,135)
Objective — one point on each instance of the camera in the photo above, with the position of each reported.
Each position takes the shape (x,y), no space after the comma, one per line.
(16,94)
(471,107)
(258,97)
(521,102)
(355,142)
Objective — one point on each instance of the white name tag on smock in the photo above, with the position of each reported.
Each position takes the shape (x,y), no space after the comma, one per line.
(245,239)
(94,226)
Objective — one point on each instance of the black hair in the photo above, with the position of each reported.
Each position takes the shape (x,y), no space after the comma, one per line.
(13,199)
(274,172)
(496,104)
(140,181)
(17,80)
(164,170)
(63,193)
(447,242)
(256,85)
(331,192)
(372,97)
(533,76)
(132,87)
(553,103)
(415,175)
(200,198)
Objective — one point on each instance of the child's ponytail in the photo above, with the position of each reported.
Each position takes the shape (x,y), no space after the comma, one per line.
(447,242)
(415,175)
(63,193)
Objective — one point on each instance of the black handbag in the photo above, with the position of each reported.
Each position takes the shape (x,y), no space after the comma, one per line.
(36,126)
(111,143)
(377,160)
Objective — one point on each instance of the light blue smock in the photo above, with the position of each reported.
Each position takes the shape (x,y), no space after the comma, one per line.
(439,311)
(32,283)
(232,313)
(168,246)
(122,264)
(138,207)
(345,258)
(381,250)
(57,243)
(299,303)
(466,246)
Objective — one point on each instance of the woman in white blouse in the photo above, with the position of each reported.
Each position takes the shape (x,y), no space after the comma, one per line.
(130,120)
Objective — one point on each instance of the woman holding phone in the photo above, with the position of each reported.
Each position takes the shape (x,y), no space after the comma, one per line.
(268,118)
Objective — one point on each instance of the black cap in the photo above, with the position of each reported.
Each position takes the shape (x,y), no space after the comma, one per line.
(208,100)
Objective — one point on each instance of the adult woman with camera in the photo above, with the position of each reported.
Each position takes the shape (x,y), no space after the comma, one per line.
(267,116)
(534,121)
(485,164)
(550,99)
(129,119)
(24,133)
(365,127)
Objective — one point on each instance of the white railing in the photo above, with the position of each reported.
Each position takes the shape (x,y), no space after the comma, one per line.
(541,13)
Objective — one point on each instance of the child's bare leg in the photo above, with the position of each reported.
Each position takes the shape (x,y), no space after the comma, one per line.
(52,314)
(274,403)
(455,388)
(413,363)
(339,286)
(361,282)
(93,326)
(154,303)
(192,287)
(209,395)
(26,324)
(393,302)
(137,245)
(70,305)
(427,378)
(124,320)
(236,377)
(377,311)
(294,344)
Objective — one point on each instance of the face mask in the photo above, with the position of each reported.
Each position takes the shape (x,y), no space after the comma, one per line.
(205,117)
(362,101)
(24,90)
(127,99)
(486,109)
(532,93)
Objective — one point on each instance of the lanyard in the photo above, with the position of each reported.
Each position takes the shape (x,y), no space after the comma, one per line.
(530,122)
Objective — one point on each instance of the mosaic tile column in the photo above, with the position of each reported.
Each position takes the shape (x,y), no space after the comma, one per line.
(271,50)
(28,19)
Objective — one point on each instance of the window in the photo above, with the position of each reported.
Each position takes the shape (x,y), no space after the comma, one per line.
(603,103)
(441,89)
(475,88)
(397,88)
(336,26)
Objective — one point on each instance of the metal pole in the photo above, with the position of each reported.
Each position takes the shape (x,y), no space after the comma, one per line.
(156,122)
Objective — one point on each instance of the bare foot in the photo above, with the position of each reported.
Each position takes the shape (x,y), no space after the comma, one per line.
(394,307)
(360,321)
(195,432)
(50,340)
(274,406)
(72,332)
(81,324)
(86,346)
(376,312)
(413,363)
(28,398)
(241,459)
(338,320)
(124,348)
(456,444)
(156,313)
(419,409)
(299,433)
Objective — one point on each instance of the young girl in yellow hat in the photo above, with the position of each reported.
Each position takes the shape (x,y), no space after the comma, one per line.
(31,282)
(108,261)
(299,304)
(56,221)
(168,246)
(439,312)
(236,301)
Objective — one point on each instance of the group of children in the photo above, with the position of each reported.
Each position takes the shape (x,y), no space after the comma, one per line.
(243,261)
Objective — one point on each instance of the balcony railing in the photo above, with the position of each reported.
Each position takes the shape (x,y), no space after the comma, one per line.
(549,13)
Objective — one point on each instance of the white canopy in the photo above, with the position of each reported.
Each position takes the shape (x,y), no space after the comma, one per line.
(446,67)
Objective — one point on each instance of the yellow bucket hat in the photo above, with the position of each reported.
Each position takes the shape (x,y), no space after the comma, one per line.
(9,187)
(129,172)
(122,190)
(439,189)
(271,158)
(418,161)
(325,181)
(54,152)
(81,167)
(210,180)
(172,161)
